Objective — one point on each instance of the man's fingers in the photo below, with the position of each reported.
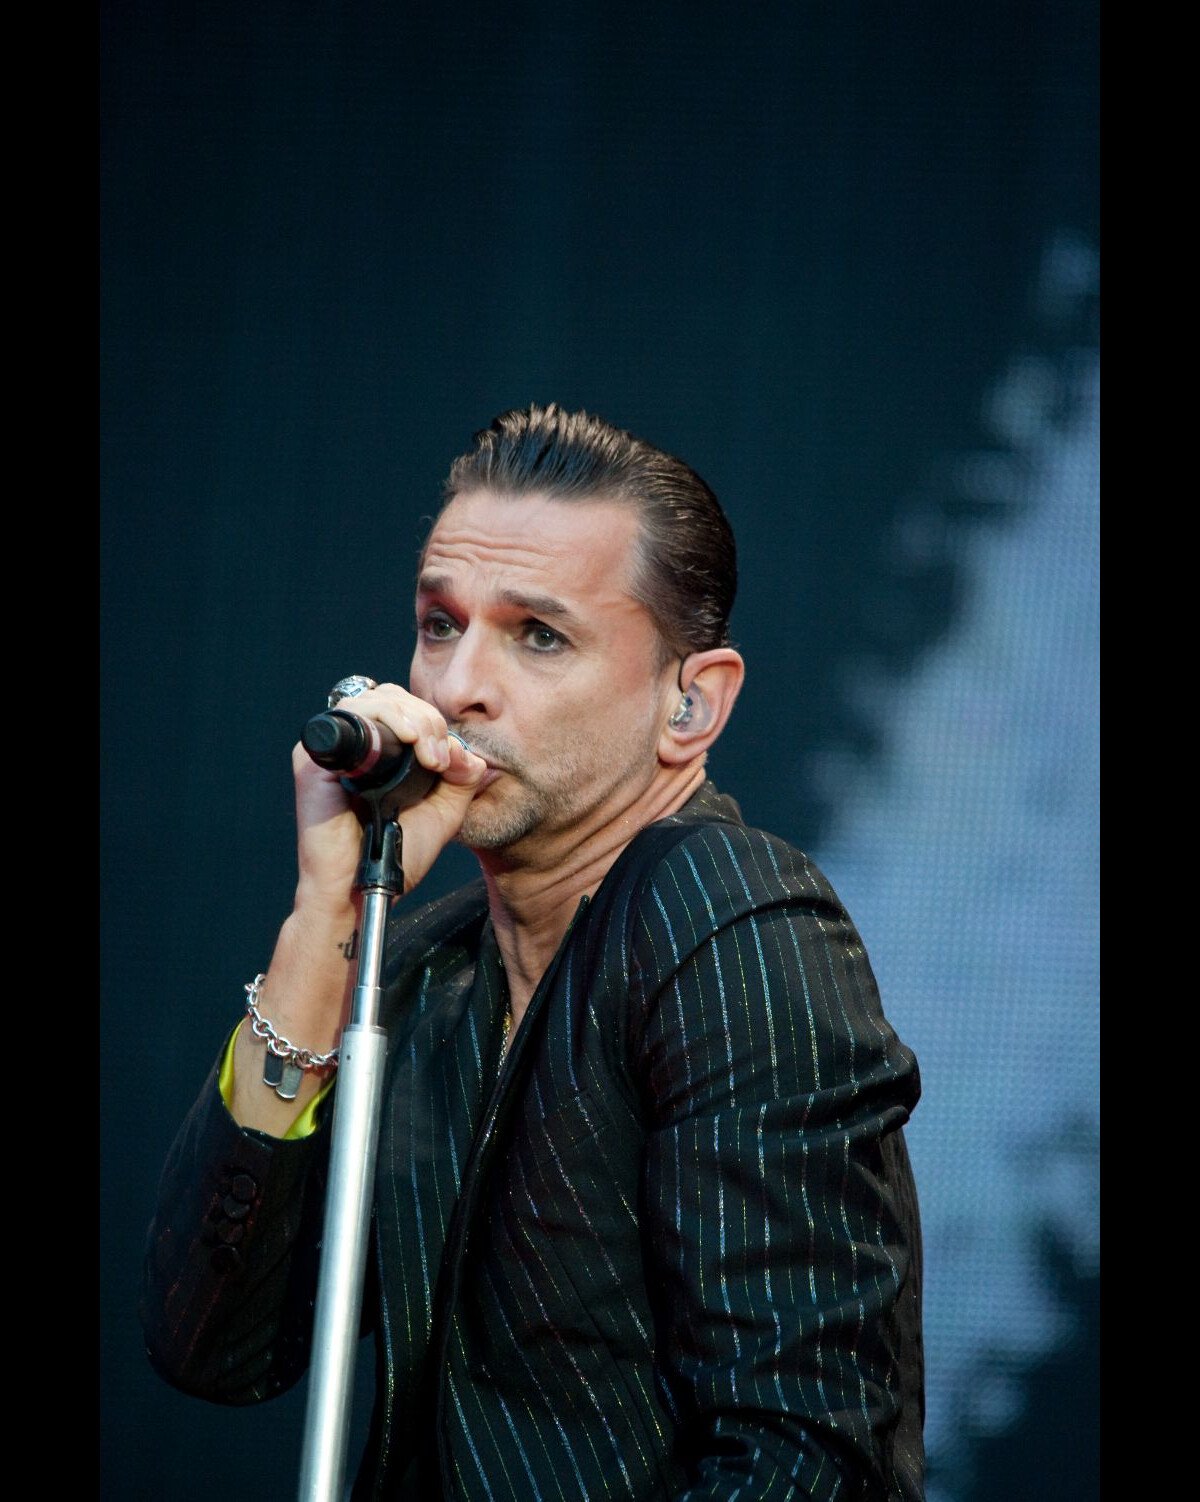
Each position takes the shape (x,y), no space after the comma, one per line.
(465,768)
(411,720)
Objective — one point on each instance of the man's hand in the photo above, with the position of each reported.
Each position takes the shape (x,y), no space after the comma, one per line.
(331,833)
(310,981)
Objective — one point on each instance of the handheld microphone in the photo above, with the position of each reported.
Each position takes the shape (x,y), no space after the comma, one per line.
(367,754)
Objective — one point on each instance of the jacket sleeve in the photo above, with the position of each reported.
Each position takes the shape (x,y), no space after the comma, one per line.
(230,1269)
(783,1243)
(232,1255)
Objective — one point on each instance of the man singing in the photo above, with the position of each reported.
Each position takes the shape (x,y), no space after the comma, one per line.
(686,1259)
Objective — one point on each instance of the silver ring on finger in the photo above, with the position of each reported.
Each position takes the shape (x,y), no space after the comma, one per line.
(349,688)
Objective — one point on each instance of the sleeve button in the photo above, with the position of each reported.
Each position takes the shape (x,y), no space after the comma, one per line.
(243,1188)
(226,1259)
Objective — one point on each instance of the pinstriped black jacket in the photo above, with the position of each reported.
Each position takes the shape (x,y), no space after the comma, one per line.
(670,1250)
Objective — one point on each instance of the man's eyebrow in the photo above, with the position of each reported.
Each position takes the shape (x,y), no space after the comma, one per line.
(539,605)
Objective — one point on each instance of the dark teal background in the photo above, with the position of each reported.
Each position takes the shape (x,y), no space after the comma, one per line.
(794,245)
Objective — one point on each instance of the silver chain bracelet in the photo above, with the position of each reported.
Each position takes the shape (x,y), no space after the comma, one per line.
(284,1064)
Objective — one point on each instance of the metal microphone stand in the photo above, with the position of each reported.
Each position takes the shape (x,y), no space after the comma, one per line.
(355,1137)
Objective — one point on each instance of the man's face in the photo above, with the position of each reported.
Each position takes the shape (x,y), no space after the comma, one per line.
(532,647)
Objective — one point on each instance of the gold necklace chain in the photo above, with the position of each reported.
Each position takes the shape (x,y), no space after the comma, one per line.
(505,1035)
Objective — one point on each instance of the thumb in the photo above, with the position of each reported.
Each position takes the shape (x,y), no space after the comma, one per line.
(430,825)
(467,768)
(450,797)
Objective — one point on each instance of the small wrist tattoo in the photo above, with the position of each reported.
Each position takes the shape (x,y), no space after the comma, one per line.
(350,947)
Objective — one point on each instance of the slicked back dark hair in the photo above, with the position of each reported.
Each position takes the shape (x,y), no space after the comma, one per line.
(687,571)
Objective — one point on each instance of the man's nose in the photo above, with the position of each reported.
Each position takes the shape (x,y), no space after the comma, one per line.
(468,683)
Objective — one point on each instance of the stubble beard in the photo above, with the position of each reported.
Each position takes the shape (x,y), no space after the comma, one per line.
(494,828)
(523,807)
(529,805)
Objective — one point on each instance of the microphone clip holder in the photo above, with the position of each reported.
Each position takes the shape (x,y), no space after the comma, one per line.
(381,865)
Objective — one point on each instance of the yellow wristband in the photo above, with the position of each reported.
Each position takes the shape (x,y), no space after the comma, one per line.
(304,1125)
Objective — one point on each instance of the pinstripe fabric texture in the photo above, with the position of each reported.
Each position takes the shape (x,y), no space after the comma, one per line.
(670,1250)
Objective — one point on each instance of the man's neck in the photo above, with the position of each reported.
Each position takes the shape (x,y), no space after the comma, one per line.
(532,897)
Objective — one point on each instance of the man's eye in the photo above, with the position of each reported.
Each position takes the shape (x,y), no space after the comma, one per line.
(437,627)
(542,638)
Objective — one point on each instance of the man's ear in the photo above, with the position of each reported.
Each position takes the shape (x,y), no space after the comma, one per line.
(710,683)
